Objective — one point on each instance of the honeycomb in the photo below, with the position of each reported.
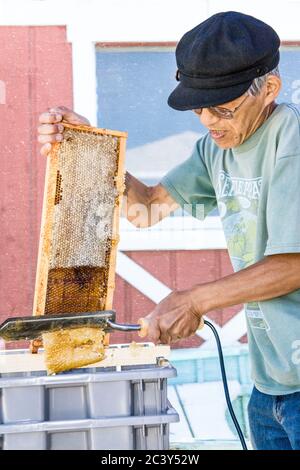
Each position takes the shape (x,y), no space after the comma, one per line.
(73,348)
(76,267)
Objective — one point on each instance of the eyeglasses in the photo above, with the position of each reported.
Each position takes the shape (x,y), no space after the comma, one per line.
(222,113)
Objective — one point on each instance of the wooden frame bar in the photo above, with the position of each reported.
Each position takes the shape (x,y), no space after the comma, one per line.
(47,218)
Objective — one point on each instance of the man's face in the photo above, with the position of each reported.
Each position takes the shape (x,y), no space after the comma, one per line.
(229,133)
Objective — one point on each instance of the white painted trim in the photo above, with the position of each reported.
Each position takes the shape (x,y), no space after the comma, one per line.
(234,329)
(173,233)
(185,222)
(141,279)
(230,333)
(207,334)
(84,79)
(172,240)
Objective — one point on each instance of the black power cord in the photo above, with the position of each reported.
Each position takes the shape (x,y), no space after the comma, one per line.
(225,385)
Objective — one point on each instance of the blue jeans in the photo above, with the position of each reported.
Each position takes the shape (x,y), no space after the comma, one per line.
(274,421)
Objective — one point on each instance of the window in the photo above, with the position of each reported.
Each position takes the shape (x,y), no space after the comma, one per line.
(133,87)
(134,83)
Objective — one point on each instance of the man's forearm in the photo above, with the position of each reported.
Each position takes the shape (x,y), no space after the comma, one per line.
(274,276)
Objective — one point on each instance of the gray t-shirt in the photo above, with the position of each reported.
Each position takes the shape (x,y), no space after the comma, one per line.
(256,187)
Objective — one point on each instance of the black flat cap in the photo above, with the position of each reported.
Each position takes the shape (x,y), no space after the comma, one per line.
(218,59)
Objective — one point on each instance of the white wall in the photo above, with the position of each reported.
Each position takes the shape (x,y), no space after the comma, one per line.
(89,21)
(144,20)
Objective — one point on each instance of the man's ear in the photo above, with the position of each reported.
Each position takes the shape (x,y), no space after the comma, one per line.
(273,87)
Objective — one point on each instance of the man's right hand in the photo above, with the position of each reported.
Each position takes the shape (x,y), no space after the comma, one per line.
(51,126)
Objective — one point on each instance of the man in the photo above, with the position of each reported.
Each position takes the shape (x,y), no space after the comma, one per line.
(248,165)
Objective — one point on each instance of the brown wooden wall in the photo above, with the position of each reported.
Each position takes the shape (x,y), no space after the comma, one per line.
(36,67)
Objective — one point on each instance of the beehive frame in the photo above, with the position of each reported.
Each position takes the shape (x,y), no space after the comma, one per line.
(52,196)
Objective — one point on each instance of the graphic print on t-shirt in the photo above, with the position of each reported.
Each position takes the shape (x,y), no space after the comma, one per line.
(238,203)
(238,200)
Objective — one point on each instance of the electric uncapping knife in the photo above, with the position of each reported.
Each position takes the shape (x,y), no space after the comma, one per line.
(17,328)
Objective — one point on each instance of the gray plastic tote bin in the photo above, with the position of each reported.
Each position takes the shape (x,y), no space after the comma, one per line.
(90,408)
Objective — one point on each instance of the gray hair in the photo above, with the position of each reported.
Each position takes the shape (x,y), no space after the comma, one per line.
(258,83)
